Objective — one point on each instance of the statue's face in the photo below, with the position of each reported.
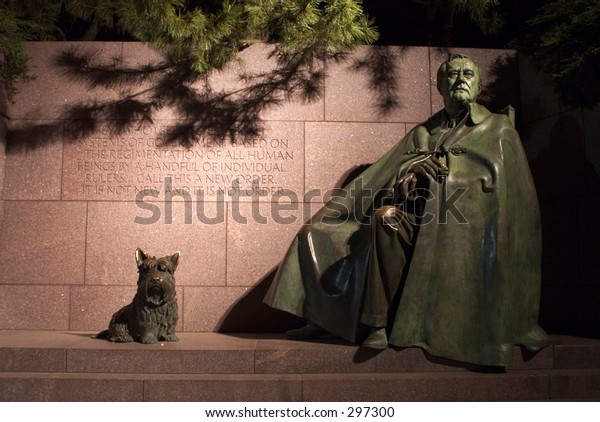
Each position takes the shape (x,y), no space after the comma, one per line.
(460,85)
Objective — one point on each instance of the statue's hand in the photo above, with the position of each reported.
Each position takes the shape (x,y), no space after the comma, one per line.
(428,168)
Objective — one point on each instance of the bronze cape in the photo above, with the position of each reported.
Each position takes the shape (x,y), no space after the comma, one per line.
(470,291)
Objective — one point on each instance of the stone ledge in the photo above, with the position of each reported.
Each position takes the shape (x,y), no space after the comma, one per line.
(527,385)
(217,353)
(73,366)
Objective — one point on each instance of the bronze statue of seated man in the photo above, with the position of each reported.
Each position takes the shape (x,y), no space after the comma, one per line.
(435,245)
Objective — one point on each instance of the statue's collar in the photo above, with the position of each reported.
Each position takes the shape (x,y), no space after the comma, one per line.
(476,114)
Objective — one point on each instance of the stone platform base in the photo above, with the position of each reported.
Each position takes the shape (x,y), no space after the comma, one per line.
(72,366)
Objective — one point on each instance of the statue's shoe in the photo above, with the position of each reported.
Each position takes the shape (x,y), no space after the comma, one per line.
(308,332)
(376,340)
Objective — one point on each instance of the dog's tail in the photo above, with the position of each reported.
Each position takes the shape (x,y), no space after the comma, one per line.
(101,334)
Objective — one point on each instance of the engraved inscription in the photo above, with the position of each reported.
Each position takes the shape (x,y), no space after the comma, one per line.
(118,166)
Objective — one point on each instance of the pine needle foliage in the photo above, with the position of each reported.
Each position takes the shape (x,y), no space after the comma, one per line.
(202,35)
(564,39)
(482,12)
(22,20)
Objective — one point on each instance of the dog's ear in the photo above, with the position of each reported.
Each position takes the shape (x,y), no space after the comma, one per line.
(140,256)
(174,260)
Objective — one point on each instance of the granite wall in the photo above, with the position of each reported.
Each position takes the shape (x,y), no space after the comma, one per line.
(563,146)
(111,148)
(3,132)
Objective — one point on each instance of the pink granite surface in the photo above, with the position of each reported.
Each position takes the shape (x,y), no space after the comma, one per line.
(55,86)
(109,166)
(93,306)
(257,238)
(334,150)
(113,236)
(380,84)
(49,365)
(34,162)
(44,241)
(425,386)
(253,71)
(205,307)
(34,307)
(75,167)
(3,132)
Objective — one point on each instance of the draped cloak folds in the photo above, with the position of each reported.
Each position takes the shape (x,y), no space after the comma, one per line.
(470,291)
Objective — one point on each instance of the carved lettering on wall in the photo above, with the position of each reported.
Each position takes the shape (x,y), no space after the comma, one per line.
(111,166)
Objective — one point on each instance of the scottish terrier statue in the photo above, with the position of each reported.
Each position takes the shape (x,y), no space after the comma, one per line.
(152,315)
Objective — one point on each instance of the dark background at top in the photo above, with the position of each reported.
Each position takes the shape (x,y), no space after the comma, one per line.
(399,22)
(406,22)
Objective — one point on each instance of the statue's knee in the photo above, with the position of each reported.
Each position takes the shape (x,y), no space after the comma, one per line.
(386,212)
(388,217)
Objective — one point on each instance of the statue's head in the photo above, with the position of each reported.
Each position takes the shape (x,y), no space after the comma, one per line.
(459,81)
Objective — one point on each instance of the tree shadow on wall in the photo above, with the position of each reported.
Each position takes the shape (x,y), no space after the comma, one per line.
(250,313)
(503,88)
(228,110)
(383,78)
(200,110)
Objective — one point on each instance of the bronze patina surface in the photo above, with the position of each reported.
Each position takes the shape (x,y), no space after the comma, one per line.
(435,245)
(152,315)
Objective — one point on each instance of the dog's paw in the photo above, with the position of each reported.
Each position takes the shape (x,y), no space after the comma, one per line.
(121,339)
(148,339)
(169,337)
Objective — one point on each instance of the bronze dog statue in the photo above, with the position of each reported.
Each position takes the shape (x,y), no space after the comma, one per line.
(152,315)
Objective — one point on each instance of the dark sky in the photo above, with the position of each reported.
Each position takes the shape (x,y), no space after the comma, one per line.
(406,22)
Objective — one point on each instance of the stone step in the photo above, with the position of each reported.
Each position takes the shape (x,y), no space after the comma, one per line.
(210,353)
(519,385)
(56,366)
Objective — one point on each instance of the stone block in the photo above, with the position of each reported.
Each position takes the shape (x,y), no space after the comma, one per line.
(575,385)
(314,357)
(32,360)
(408,360)
(31,307)
(220,356)
(44,242)
(229,388)
(577,353)
(116,229)
(257,85)
(416,360)
(435,386)
(91,307)
(69,388)
(157,92)
(249,314)
(337,151)
(3,132)
(35,351)
(205,308)
(73,94)
(139,162)
(258,235)
(34,157)
(379,84)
